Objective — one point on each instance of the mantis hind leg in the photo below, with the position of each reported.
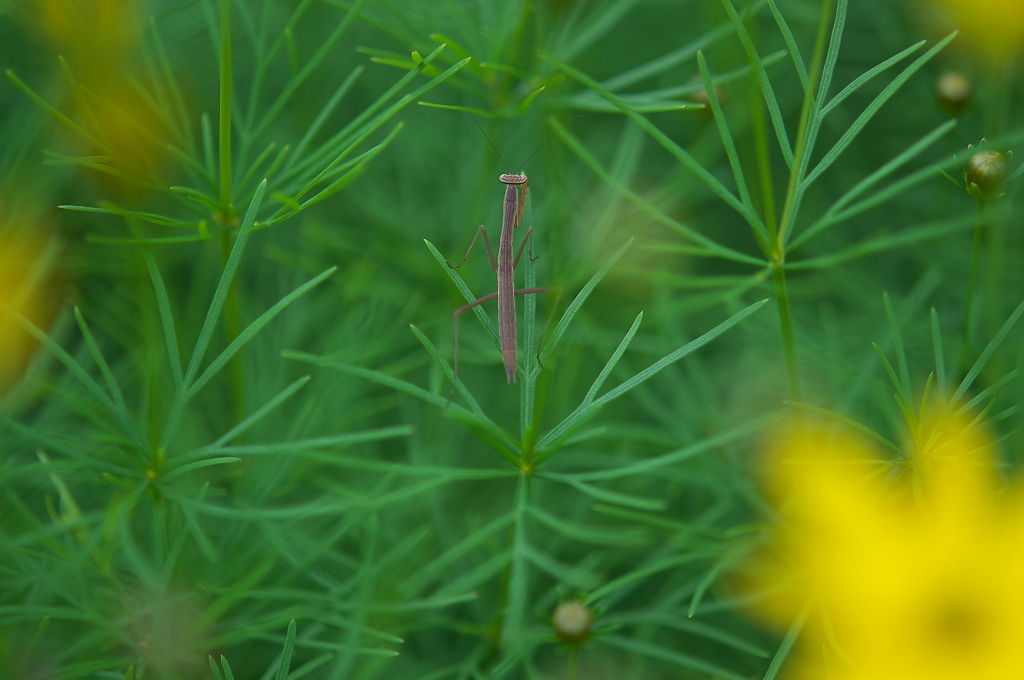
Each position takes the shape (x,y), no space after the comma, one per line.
(455,333)
(476,303)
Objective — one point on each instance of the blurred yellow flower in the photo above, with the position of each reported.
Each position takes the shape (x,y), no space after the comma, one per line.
(909,576)
(130,130)
(100,40)
(991,27)
(24,277)
(97,35)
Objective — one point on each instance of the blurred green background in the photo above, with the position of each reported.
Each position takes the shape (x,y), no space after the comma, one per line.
(159,505)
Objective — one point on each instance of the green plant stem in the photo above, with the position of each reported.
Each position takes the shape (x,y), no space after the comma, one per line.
(761,145)
(225,111)
(516,542)
(972,285)
(527,395)
(796,175)
(789,209)
(232,327)
(227,218)
(764,166)
(572,662)
(788,336)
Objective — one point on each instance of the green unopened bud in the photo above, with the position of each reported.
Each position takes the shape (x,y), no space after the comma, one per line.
(985,174)
(954,91)
(572,621)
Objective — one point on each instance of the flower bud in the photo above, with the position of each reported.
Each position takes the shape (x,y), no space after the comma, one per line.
(985,174)
(954,91)
(571,621)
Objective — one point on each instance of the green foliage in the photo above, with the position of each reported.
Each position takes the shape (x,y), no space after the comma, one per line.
(236,441)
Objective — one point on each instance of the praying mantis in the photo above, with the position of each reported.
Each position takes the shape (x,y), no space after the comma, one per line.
(516,187)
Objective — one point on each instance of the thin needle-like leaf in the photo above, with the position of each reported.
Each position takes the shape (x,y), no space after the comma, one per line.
(584,409)
(481,315)
(449,373)
(118,399)
(606,495)
(514,617)
(286,654)
(227,276)
(369,119)
(311,446)
(253,328)
(54,113)
(868,113)
(183,124)
(577,303)
(76,370)
(897,343)
(940,359)
(760,231)
(437,567)
(832,57)
(188,467)
(791,46)
(688,348)
(152,218)
(707,247)
(774,112)
(613,360)
(661,98)
(488,430)
(166,317)
(597,26)
(986,393)
(866,76)
(327,109)
(987,354)
(581,414)
(680,55)
(787,645)
(310,66)
(671,656)
(811,408)
(257,415)
(884,242)
(836,214)
(672,147)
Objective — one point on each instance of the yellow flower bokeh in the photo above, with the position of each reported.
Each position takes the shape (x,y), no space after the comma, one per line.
(98,35)
(993,28)
(25,290)
(99,39)
(909,575)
